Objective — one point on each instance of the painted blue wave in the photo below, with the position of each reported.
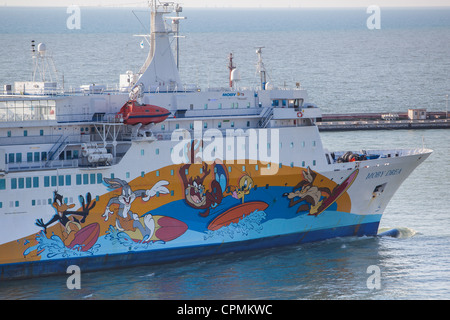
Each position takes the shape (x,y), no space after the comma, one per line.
(251,222)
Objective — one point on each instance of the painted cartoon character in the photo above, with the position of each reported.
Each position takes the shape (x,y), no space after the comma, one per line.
(196,194)
(306,191)
(68,219)
(245,185)
(126,219)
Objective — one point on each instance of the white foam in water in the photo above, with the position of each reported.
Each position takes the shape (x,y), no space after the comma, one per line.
(403,232)
(148,275)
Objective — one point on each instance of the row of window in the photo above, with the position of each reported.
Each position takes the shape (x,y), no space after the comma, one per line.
(25,133)
(39,156)
(52,181)
(291,145)
(291,103)
(205,125)
(31,156)
(87,178)
(12,204)
(17,110)
(49,201)
(84,179)
(233,105)
(280,165)
(36,202)
(59,180)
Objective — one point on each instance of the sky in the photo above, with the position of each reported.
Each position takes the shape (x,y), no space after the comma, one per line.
(233,3)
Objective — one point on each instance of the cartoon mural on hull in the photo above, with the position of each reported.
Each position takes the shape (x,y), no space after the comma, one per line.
(126,219)
(203,204)
(245,185)
(315,199)
(146,227)
(197,195)
(73,233)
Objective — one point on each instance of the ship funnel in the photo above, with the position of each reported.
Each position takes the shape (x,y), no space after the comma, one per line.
(160,71)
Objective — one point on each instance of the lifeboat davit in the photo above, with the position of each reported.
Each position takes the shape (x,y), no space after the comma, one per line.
(133,113)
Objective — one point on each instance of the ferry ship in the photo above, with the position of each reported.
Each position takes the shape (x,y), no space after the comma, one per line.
(158,171)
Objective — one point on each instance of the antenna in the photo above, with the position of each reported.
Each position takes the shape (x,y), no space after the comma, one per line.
(43,64)
(176,30)
(261,68)
(231,67)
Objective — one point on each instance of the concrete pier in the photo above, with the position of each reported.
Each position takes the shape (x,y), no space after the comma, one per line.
(374,121)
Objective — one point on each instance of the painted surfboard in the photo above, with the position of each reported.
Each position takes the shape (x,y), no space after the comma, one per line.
(336,193)
(86,237)
(166,229)
(236,213)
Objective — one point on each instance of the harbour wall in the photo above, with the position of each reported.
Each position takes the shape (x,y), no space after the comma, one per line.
(374,121)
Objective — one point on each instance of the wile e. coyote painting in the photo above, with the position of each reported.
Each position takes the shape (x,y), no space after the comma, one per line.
(314,199)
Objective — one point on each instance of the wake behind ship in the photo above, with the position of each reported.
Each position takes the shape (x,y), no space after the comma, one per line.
(159,171)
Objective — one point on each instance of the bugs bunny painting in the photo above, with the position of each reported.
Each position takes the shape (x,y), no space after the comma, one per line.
(126,219)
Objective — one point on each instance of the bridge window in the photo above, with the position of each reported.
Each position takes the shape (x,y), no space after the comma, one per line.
(35,182)
(14,183)
(60,180)
(53,179)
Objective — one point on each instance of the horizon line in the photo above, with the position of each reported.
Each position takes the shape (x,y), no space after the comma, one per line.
(234,7)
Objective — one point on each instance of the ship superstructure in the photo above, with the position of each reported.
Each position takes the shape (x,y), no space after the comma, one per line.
(217,170)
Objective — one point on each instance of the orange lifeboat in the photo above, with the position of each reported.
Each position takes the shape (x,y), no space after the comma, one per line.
(133,113)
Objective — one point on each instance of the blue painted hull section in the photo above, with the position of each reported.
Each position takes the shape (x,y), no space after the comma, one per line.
(158,256)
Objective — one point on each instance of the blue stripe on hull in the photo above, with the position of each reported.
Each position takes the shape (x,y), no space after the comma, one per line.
(103,262)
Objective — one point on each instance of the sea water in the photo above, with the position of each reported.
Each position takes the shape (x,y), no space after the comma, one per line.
(346,67)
